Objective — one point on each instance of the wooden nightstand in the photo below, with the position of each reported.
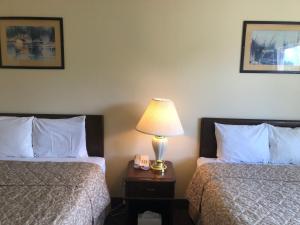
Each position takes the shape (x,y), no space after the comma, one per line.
(150,190)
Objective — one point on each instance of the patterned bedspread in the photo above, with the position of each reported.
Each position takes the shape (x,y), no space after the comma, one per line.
(244,194)
(48,193)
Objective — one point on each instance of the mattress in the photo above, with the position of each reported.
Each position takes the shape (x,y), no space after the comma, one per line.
(245,194)
(52,193)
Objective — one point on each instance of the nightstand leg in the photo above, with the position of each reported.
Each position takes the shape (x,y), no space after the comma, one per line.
(167,215)
(132,218)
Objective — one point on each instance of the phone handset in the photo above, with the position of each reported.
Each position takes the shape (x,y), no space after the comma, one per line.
(142,162)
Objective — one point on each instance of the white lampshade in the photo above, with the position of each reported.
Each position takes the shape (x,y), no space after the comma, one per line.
(160,119)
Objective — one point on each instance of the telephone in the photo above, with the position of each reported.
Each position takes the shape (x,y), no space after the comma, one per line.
(142,162)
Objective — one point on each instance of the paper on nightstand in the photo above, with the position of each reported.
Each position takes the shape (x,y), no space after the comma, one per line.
(149,218)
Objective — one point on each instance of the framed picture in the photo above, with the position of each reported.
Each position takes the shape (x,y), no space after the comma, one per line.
(270,47)
(31,42)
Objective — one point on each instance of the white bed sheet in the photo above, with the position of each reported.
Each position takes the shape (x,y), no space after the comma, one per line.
(202,160)
(95,160)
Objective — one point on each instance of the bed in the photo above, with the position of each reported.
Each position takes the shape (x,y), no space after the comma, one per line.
(242,193)
(56,191)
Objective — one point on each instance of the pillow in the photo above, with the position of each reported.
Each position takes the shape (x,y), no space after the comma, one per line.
(59,137)
(284,144)
(242,143)
(15,136)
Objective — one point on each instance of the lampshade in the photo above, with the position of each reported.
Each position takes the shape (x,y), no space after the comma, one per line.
(160,119)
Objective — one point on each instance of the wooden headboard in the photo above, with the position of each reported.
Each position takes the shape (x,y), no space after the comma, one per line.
(208,144)
(94,127)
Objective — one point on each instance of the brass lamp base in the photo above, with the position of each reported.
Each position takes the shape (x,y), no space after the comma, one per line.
(159,165)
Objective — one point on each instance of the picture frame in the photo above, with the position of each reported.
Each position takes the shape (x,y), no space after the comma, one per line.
(270,47)
(31,43)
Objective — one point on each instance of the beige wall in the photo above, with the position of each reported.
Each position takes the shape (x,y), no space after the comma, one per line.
(121,53)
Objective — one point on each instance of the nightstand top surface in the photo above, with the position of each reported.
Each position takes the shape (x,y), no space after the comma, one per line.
(139,175)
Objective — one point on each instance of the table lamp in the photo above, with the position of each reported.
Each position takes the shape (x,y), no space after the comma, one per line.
(161,120)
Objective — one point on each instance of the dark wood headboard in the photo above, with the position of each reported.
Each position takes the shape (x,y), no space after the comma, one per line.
(208,144)
(94,127)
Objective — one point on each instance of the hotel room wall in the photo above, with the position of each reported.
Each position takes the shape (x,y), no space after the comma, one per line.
(119,54)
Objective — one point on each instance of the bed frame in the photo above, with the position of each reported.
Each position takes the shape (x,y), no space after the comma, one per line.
(94,126)
(208,144)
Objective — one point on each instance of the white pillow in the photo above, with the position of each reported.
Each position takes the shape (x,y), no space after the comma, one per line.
(242,143)
(16,136)
(59,137)
(284,144)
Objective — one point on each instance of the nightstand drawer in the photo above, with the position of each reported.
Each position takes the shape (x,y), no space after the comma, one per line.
(150,189)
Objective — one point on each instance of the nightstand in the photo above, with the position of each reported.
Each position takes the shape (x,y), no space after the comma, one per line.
(150,190)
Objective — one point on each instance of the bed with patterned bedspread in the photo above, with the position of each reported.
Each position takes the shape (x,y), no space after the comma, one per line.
(52,193)
(245,194)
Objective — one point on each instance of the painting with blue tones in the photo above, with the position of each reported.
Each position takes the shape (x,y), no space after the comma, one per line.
(33,43)
(275,48)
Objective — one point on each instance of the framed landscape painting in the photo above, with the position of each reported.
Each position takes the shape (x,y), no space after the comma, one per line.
(31,42)
(270,47)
